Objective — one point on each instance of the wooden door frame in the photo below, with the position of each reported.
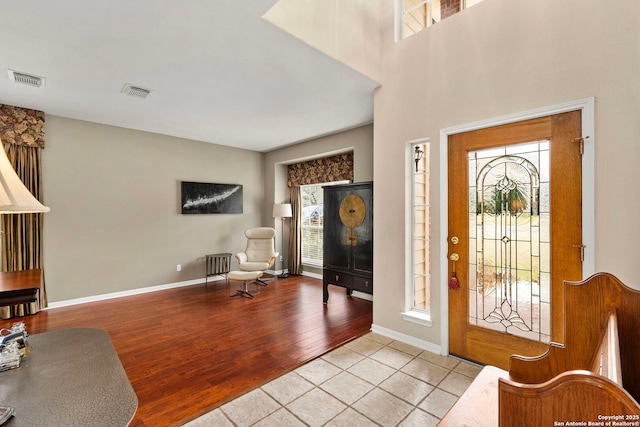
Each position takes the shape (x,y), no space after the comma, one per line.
(587,108)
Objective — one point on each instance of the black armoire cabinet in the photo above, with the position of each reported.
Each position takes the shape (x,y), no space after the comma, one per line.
(348,238)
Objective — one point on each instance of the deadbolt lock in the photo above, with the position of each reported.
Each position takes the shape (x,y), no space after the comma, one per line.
(455,240)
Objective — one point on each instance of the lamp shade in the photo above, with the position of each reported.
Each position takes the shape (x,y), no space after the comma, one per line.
(14,196)
(282,210)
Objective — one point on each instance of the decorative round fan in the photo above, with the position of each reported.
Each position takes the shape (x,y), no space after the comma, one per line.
(352,211)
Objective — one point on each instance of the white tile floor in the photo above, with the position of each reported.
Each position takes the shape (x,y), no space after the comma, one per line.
(371,381)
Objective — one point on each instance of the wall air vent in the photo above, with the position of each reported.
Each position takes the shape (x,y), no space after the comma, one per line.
(26,79)
(135,91)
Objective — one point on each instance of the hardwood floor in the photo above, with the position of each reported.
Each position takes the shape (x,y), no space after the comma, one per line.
(189,350)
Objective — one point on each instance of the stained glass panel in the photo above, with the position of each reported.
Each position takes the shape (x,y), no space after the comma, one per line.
(509,249)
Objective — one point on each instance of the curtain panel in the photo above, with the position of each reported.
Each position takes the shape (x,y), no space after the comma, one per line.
(295,232)
(22,134)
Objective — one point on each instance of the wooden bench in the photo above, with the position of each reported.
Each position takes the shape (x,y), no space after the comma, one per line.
(478,405)
(594,375)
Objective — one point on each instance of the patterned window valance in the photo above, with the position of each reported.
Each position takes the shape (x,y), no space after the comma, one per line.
(328,169)
(21,126)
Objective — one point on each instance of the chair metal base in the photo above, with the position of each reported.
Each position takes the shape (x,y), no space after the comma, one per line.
(263,282)
(244,292)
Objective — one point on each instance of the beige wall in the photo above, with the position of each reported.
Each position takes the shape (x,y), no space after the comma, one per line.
(115,223)
(347,30)
(499,58)
(358,140)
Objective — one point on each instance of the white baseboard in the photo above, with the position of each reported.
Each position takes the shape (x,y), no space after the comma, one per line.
(362,295)
(407,339)
(131,292)
(138,291)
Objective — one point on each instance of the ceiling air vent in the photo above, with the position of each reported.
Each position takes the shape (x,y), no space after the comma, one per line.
(26,79)
(136,91)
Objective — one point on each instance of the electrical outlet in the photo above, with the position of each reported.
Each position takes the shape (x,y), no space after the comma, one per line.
(179,267)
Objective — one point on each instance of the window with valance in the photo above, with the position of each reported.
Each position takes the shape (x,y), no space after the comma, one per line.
(306,225)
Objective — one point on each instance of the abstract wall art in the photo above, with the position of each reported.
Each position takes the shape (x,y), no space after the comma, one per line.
(206,198)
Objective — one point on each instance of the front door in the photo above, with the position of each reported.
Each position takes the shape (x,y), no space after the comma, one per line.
(515,231)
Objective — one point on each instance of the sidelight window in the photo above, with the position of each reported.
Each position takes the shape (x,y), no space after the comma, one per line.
(418,287)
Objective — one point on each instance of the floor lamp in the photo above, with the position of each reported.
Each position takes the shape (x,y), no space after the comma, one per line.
(14,196)
(282,210)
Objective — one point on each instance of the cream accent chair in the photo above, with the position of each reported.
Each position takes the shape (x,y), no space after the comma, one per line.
(260,253)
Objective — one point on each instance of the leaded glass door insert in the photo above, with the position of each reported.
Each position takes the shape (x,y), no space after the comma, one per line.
(509,240)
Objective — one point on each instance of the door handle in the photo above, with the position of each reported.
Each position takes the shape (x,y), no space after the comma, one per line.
(454,284)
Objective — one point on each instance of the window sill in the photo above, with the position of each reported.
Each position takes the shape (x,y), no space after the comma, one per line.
(311,264)
(419,317)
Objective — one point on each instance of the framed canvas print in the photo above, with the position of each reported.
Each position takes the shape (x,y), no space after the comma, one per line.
(206,198)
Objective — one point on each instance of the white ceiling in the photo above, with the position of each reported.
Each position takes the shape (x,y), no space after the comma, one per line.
(218,72)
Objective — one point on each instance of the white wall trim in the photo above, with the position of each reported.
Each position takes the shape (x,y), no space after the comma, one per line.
(587,107)
(419,317)
(313,275)
(398,20)
(407,339)
(362,295)
(131,292)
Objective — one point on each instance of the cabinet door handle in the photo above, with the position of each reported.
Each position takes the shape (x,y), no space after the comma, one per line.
(366,284)
(337,278)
